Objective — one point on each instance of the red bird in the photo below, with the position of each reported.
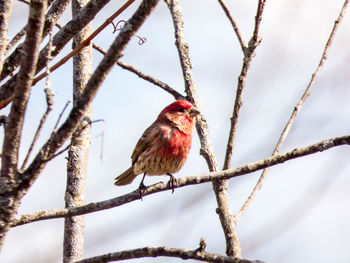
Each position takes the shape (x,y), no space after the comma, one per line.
(164,146)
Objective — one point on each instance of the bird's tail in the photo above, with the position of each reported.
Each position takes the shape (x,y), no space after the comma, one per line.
(125,178)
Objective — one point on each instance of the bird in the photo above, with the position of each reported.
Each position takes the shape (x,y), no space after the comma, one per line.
(164,146)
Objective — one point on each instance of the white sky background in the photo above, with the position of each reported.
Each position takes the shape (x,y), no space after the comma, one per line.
(302,212)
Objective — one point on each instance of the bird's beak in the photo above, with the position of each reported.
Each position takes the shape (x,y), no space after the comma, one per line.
(194,112)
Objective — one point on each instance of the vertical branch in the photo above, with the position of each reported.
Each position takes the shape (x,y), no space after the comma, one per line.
(248,56)
(5,11)
(220,187)
(14,125)
(296,109)
(73,243)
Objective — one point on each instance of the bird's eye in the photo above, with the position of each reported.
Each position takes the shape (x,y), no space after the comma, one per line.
(181,110)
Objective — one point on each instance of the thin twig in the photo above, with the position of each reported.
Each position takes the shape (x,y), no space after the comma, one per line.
(60,116)
(49,104)
(140,74)
(185,181)
(234,25)
(68,146)
(258,17)
(164,252)
(15,39)
(23,31)
(86,42)
(295,111)
(152,80)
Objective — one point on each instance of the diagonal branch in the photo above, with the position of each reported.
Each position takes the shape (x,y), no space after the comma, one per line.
(234,24)
(86,42)
(152,80)
(53,14)
(59,41)
(296,110)
(164,252)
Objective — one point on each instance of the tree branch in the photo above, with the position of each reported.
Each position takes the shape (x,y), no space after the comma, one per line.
(13,128)
(14,125)
(164,252)
(185,181)
(152,80)
(59,41)
(295,111)
(220,187)
(73,241)
(234,24)
(49,106)
(52,16)
(5,12)
(86,42)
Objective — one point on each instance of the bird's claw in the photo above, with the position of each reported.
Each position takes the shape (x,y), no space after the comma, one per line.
(142,187)
(172,183)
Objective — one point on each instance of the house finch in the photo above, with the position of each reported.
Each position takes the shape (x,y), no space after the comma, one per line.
(164,146)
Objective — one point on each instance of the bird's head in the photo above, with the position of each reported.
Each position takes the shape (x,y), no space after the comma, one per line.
(182,113)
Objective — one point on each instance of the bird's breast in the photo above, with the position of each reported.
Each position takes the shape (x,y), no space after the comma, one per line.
(175,142)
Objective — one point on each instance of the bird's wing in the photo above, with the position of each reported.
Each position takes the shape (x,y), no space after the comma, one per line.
(146,140)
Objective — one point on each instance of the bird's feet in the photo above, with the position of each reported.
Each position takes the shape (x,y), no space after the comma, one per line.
(142,188)
(172,183)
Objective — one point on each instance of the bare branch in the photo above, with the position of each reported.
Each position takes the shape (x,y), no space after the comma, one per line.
(296,110)
(234,25)
(5,12)
(152,80)
(73,242)
(86,42)
(49,105)
(185,181)
(255,39)
(148,78)
(16,38)
(14,125)
(53,14)
(59,41)
(60,116)
(220,187)
(164,252)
